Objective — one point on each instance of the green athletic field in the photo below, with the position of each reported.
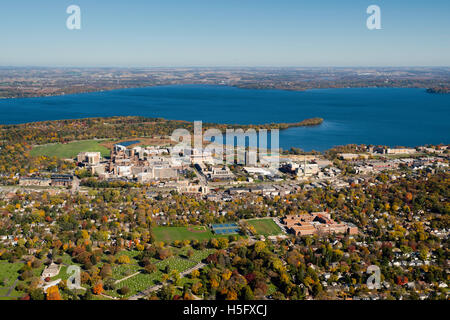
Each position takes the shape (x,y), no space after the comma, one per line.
(170,234)
(69,150)
(265,227)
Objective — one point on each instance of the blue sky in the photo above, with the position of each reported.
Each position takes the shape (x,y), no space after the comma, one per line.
(225,33)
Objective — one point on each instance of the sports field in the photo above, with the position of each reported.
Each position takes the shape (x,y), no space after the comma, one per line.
(69,150)
(170,234)
(265,227)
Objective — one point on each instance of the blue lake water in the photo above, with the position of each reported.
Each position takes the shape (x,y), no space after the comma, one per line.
(387,116)
(128,143)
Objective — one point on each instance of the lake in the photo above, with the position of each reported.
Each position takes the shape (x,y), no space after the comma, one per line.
(127,143)
(387,116)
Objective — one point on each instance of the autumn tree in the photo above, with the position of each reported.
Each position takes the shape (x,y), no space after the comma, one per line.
(98,288)
(53,293)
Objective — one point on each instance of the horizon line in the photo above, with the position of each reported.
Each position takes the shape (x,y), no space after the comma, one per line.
(220,66)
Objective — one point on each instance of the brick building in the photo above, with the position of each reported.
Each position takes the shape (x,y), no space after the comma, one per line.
(316,223)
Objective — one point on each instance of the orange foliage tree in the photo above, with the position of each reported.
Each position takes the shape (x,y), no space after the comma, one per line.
(98,288)
(53,293)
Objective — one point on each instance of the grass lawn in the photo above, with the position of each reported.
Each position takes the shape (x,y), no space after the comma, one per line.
(265,227)
(63,274)
(170,234)
(38,271)
(66,259)
(137,283)
(144,280)
(69,150)
(8,274)
(123,270)
(98,297)
(198,255)
(176,263)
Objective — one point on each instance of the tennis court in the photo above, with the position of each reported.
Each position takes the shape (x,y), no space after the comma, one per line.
(225,228)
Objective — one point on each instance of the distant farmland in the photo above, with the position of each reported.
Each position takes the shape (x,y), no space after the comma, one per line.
(69,150)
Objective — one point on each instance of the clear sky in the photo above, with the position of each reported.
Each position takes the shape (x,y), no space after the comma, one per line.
(225,33)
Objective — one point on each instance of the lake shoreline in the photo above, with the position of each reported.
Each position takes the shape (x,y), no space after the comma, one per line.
(378,116)
(426,89)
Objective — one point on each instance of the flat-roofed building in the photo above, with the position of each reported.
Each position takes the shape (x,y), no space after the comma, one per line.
(123,171)
(316,223)
(353,156)
(51,271)
(308,170)
(401,151)
(164,173)
(186,187)
(98,169)
(221,173)
(304,230)
(258,171)
(91,158)
(62,180)
(35,181)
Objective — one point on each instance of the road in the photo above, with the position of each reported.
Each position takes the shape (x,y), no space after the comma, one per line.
(201,177)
